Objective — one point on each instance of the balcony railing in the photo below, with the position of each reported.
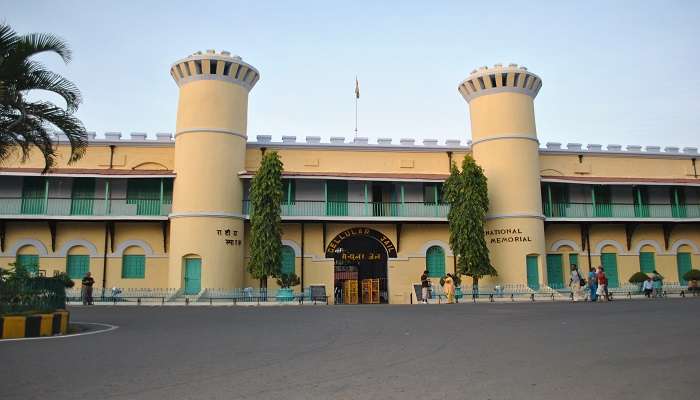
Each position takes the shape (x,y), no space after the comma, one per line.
(320,208)
(82,207)
(620,210)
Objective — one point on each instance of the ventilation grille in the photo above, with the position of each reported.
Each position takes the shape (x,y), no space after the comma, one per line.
(210,65)
(512,78)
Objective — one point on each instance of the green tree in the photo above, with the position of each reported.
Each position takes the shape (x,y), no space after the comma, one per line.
(265,220)
(467,193)
(24,123)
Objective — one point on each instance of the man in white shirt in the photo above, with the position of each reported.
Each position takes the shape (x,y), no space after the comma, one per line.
(648,287)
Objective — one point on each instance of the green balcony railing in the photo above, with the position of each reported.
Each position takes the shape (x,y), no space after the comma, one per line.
(320,208)
(620,210)
(82,207)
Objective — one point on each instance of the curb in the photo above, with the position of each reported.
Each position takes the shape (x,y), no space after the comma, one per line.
(46,324)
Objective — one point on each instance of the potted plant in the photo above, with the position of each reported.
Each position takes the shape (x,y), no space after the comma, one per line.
(286,281)
(692,276)
(638,278)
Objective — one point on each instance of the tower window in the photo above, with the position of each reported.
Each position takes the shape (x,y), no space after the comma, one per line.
(481,83)
(493,80)
(527,77)
(187,68)
(503,79)
(198,66)
(227,68)
(471,85)
(516,81)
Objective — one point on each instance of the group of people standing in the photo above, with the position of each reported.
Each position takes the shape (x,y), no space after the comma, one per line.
(448,287)
(597,284)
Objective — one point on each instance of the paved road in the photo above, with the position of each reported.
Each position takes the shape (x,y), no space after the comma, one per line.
(619,350)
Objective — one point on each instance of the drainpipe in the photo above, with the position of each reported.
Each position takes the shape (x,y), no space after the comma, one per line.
(695,170)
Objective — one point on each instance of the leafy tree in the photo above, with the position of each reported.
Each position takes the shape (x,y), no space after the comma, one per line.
(467,193)
(25,123)
(265,220)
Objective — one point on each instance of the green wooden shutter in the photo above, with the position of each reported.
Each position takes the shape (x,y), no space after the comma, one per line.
(29,261)
(288,191)
(435,262)
(573,260)
(133,267)
(641,202)
(82,196)
(678,207)
(683,261)
(145,193)
(288,258)
(77,266)
(609,261)
(602,200)
(555,274)
(193,275)
(33,194)
(646,262)
(533,276)
(167,191)
(337,198)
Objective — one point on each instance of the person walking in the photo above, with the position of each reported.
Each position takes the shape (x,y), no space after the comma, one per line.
(424,287)
(658,284)
(592,284)
(449,289)
(87,282)
(648,287)
(575,283)
(602,290)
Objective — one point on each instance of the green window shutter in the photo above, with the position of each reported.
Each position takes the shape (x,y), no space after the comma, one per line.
(77,266)
(288,259)
(555,274)
(29,261)
(288,191)
(641,202)
(337,198)
(33,194)
(646,262)
(82,196)
(533,276)
(609,262)
(683,261)
(573,260)
(168,191)
(145,193)
(435,262)
(133,267)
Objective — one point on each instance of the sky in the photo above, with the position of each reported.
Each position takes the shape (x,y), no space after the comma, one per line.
(621,72)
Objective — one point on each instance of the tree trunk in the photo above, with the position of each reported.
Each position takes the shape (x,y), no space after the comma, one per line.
(475,286)
(263,288)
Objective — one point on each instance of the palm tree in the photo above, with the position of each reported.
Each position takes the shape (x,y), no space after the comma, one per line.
(25,123)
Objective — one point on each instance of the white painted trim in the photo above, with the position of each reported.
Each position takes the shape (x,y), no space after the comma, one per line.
(653,243)
(77,242)
(584,182)
(564,242)
(349,178)
(499,137)
(620,248)
(119,251)
(293,245)
(206,214)
(502,89)
(211,130)
(616,219)
(38,245)
(680,242)
(86,218)
(516,215)
(440,243)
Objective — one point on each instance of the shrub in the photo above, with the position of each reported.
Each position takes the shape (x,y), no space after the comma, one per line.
(638,277)
(692,275)
(288,280)
(22,293)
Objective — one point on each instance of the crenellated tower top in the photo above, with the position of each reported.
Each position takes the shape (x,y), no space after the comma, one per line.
(497,79)
(214,66)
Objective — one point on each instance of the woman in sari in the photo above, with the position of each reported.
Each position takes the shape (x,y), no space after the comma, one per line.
(449,289)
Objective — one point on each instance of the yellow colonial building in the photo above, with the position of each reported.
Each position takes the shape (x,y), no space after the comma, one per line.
(172,212)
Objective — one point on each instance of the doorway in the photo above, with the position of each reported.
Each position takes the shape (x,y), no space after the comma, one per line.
(193,275)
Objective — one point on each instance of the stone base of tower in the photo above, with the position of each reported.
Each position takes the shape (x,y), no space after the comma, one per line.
(217,242)
(510,242)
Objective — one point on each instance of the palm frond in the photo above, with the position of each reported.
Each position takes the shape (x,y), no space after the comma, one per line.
(42,79)
(34,43)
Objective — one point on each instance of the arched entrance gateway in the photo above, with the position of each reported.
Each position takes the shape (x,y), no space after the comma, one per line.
(360,266)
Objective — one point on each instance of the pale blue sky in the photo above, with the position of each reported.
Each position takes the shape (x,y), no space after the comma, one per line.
(613,73)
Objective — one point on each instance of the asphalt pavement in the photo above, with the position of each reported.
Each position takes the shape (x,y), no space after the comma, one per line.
(546,350)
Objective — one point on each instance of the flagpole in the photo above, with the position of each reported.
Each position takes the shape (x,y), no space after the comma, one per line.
(356,116)
(357,96)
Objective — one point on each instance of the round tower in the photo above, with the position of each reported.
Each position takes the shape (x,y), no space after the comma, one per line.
(504,143)
(206,231)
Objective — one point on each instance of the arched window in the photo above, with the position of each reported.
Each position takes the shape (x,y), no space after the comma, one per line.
(609,262)
(133,264)
(29,261)
(77,262)
(288,259)
(647,262)
(435,262)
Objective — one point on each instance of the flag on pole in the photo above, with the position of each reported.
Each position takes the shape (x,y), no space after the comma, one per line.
(357,89)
